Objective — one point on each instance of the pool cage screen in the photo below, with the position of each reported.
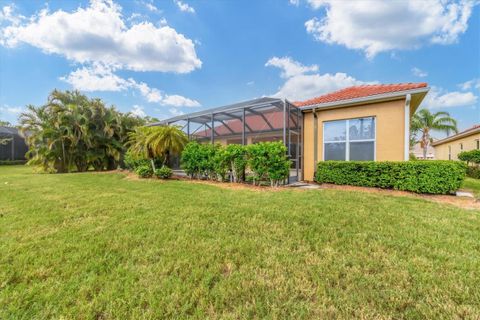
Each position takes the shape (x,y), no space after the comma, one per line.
(13,146)
(263,119)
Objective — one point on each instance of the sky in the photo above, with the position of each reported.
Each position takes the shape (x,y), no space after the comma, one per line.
(170,57)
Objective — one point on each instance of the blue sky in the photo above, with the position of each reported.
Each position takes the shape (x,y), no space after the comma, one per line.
(164,58)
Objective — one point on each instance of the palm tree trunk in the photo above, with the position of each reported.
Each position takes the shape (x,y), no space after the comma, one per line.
(153,164)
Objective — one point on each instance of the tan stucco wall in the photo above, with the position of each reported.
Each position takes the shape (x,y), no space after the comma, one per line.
(469,143)
(390,135)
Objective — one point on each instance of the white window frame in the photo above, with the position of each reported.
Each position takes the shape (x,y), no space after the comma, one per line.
(347,137)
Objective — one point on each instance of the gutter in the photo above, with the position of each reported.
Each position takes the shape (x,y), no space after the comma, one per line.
(407,127)
(377,98)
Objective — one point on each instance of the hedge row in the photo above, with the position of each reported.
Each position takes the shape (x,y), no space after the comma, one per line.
(434,177)
(266,161)
(12,162)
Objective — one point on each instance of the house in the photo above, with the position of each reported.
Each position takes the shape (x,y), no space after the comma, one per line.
(417,151)
(368,122)
(450,147)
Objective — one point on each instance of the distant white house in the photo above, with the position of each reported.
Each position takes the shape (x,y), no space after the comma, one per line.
(417,150)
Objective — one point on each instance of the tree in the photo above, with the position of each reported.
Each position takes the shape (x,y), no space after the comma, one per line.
(157,142)
(74,132)
(424,122)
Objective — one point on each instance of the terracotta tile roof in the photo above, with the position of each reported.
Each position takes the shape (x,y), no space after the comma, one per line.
(360,92)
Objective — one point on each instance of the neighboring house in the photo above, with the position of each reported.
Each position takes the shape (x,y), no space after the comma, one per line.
(15,148)
(417,151)
(369,122)
(450,147)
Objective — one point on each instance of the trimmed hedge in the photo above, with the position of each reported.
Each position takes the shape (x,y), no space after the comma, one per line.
(12,162)
(434,177)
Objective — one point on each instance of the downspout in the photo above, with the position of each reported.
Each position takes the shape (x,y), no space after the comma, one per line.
(315,142)
(407,127)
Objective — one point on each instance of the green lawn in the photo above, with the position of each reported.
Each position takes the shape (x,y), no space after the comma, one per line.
(99,246)
(472,185)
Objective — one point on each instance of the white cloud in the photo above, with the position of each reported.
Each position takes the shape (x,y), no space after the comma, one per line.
(419,73)
(11,110)
(250,83)
(185,7)
(102,78)
(175,112)
(290,67)
(179,101)
(151,7)
(7,15)
(438,98)
(300,85)
(305,86)
(474,83)
(138,111)
(375,26)
(98,33)
(96,78)
(294,2)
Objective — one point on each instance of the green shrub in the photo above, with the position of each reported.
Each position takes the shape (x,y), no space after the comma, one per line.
(473,172)
(144,171)
(268,160)
(221,163)
(435,177)
(237,157)
(12,162)
(191,159)
(164,172)
(472,156)
(132,162)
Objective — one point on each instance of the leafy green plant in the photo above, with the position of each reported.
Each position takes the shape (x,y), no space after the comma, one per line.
(472,156)
(73,132)
(435,177)
(144,171)
(221,163)
(132,162)
(268,160)
(157,143)
(473,172)
(164,172)
(237,156)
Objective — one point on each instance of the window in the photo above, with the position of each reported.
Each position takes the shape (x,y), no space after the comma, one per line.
(449,152)
(461,146)
(478,144)
(352,139)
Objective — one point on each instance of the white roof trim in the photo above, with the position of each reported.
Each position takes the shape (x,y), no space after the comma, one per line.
(457,136)
(377,97)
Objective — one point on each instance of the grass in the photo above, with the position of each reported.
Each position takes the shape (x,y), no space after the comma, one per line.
(99,246)
(472,185)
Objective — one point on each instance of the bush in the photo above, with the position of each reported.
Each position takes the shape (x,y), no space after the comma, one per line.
(12,162)
(144,171)
(236,155)
(132,162)
(435,177)
(472,156)
(268,160)
(473,172)
(164,172)
(191,159)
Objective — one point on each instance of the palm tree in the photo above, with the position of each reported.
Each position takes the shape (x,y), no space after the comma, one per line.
(424,122)
(157,142)
(167,140)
